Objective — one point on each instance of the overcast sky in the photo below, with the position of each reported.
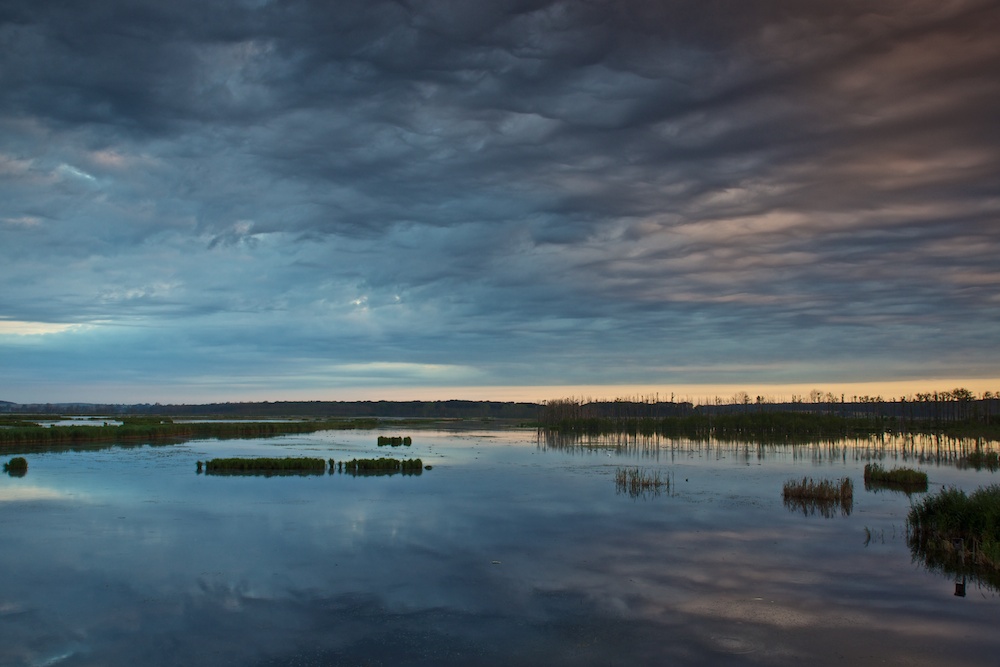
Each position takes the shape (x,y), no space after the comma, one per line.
(268,200)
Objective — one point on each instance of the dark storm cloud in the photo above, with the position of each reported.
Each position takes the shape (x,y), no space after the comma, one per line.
(644,185)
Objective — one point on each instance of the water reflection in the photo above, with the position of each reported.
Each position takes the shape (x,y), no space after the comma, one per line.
(415,472)
(897,487)
(939,450)
(828,509)
(502,555)
(952,558)
(262,473)
(28,493)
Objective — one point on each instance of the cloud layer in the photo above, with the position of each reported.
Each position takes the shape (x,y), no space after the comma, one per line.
(258,198)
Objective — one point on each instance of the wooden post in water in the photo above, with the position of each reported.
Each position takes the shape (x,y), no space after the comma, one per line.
(959,544)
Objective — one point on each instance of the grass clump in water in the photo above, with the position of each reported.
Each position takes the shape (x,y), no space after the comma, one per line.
(394,441)
(265,465)
(958,532)
(382,466)
(637,482)
(902,479)
(824,496)
(16,467)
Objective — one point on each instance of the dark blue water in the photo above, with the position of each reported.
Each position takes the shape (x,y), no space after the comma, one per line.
(509,551)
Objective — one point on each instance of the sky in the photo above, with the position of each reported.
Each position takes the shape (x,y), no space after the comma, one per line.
(519,200)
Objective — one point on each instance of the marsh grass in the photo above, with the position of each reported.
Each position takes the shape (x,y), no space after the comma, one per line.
(394,441)
(824,497)
(907,480)
(637,482)
(16,467)
(265,465)
(958,533)
(157,429)
(382,466)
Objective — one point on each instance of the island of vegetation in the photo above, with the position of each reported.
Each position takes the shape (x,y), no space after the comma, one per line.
(902,479)
(16,467)
(380,465)
(824,496)
(264,465)
(308,465)
(394,441)
(959,533)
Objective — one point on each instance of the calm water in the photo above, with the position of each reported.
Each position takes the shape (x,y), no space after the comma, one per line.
(510,551)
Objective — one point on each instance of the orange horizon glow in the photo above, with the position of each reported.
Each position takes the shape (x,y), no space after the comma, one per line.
(694,393)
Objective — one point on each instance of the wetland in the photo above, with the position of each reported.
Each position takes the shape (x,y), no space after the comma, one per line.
(521,547)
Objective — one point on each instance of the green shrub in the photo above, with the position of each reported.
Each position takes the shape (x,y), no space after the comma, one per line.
(17,466)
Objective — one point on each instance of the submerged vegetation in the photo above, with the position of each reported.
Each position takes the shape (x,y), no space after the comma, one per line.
(16,467)
(958,533)
(264,465)
(825,496)
(153,429)
(902,479)
(637,482)
(394,441)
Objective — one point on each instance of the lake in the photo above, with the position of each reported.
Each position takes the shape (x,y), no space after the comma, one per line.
(512,550)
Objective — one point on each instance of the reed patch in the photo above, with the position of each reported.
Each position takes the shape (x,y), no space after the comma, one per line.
(379,466)
(394,441)
(264,465)
(907,480)
(637,482)
(824,496)
(958,533)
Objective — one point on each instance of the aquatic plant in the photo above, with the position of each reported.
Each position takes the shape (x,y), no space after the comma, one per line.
(952,528)
(637,482)
(16,467)
(902,479)
(394,441)
(824,496)
(383,465)
(842,489)
(287,464)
